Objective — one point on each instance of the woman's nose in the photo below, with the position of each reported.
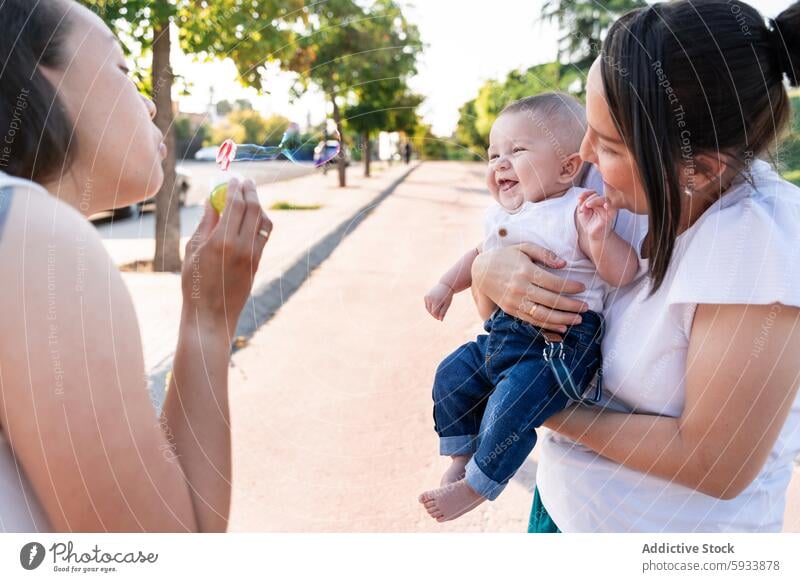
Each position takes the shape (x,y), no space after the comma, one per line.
(151,107)
(586,151)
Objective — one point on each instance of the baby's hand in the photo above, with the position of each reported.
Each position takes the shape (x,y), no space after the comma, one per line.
(438,299)
(595,215)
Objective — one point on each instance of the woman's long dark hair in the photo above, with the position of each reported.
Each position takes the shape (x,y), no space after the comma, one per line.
(35,129)
(696,77)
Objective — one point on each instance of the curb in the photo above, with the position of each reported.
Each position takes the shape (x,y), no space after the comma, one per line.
(265,301)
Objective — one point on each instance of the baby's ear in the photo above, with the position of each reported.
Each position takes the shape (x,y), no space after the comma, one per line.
(571,167)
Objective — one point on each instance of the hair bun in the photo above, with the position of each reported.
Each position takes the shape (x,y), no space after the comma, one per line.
(786,38)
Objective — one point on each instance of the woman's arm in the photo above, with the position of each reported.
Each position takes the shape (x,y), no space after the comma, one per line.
(739,389)
(219,256)
(510,279)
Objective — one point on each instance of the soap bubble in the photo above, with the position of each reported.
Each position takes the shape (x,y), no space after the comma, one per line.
(309,149)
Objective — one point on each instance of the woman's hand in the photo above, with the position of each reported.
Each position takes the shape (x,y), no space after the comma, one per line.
(511,279)
(223,255)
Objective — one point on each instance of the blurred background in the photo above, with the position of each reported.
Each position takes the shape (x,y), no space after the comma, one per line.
(393,78)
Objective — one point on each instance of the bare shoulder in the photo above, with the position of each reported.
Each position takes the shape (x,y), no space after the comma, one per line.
(37,222)
(55,263)
(73,396)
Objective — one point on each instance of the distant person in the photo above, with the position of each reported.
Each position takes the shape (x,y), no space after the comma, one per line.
(491,394)
(699,425)
(81,448)
(407,153)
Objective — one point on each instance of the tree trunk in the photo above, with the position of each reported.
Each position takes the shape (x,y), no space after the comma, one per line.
(168,219)
(367,154)
(341,164)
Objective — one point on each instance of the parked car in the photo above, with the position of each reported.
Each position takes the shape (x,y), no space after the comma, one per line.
(183,182)
(206,154)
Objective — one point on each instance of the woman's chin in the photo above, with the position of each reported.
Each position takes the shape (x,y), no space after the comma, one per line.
(149,185)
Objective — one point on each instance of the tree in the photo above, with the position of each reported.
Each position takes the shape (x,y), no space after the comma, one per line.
(189,136)
(224,107)
(383,105)
(223,28)
(584,23)
(347,46)
(249,126)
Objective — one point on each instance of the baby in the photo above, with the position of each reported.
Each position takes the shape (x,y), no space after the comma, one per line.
(491,394)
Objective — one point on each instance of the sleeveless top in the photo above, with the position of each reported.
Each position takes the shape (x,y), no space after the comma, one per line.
(20,510)
(550,224)
(743,250)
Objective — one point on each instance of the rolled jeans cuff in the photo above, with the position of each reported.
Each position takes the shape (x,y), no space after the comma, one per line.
(480,483)
(458,445)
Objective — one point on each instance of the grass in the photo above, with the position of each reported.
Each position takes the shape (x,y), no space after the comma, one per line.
(282,205)
(793,176)
(143,266)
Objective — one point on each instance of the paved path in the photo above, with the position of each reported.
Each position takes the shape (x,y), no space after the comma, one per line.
(331,400)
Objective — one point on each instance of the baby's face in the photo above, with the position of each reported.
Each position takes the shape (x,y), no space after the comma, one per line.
(524,162)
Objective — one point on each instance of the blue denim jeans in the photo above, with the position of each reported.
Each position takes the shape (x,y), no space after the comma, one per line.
(492,393)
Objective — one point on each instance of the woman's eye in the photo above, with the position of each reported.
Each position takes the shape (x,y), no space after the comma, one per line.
(606,150)
(518,149)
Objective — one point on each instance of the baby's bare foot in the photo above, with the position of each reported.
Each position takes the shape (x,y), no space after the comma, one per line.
(451,501)
(456,470)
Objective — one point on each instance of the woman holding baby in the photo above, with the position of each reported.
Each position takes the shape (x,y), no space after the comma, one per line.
(699,423)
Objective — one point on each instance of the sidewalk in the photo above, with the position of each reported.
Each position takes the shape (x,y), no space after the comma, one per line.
(157,296)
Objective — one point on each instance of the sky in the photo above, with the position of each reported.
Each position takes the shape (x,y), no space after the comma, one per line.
(467,42)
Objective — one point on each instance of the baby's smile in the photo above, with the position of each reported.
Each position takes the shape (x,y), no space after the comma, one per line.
(506,184)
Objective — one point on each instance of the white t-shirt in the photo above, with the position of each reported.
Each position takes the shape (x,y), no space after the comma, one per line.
(550,224)
(745,249)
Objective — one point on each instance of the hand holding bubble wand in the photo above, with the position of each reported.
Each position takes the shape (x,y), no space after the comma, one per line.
(290,147)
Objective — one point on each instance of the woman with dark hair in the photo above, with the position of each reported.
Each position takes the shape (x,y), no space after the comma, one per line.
(81,448)
(699,424)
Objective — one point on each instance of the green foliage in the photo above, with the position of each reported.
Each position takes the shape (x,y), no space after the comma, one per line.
(432,147)
(360,55)
(224,107)
(283,205)
(188,137)
(789,150)
(793,176)
(346,44)
(384,105)
(250,32)
(584,24)
(249,126)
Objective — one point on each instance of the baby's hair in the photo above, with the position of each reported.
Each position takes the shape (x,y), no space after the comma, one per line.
(560,116)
